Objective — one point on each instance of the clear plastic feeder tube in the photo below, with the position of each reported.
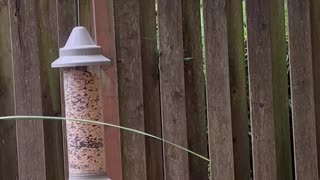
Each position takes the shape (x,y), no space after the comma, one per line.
(85,141)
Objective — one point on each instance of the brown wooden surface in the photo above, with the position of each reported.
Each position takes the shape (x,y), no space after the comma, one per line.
(261,91)
(218,90)
(172,89)
(151,89)
(302,90)
(105,37)
(28,101)
(280,91)
(239,102)
(86,15)
(8,152)
(130,88)
(195,89)
(50,87)
(315,30)
(66,20)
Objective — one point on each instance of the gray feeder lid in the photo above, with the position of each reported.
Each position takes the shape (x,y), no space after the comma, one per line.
(80,50)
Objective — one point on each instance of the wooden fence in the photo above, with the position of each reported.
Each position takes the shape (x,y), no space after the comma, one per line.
(174,78)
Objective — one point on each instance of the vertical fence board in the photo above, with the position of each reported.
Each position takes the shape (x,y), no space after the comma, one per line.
(105,37)
(130,88)
(8,152)
(195,88)
(85,12)
(280,90)
(172,89)
(218,90)
(261,91)
(25,57)
(239,106)
(66,21)
(151,89)
(268,90)
(315,30)
(50,86)
(303,107)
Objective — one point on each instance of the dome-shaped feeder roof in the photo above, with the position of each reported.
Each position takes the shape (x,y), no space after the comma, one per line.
(80,50)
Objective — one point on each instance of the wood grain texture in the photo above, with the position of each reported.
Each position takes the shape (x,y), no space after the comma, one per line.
(50,87)
(218,90)
(8,152)
(131,106)
(261,91)
(105,36)
(66,20)
(195,88)
(172,89)
(302,90)
(280,90)
(26,67)
(268,90)
(86,15)
(151,89)
(315,37)
(239,102)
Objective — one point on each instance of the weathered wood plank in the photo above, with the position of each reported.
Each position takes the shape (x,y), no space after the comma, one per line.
(239,106)
(66,21)
(8,152)
(268,90)
(86,15)
(280,90)
(151,89)
(172,89)
(302,90)
(50,87)
(195,88)
(28,101)
(261,91)
(131,106)
(105,37)
(218,90)
(315,30)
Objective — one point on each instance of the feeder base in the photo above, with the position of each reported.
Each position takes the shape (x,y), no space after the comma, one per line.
(89,178)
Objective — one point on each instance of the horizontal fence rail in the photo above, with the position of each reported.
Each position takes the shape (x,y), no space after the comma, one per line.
(234,81)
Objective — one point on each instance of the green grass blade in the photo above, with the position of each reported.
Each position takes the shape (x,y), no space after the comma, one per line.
(102,124)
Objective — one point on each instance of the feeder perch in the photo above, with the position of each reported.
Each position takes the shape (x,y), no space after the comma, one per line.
(80,59)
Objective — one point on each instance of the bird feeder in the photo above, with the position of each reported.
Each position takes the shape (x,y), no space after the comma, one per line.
(80,59)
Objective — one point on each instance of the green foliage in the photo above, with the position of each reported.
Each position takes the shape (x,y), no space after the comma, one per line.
(244,19)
